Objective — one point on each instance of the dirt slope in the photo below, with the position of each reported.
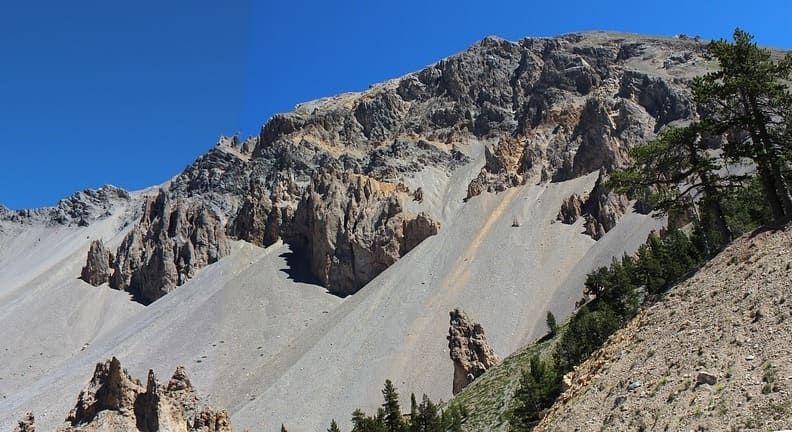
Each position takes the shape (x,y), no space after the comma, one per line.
(714,355)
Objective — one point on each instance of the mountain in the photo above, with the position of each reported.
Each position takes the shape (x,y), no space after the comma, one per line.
(295,271)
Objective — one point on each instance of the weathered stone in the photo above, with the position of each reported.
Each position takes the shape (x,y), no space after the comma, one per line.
(114,401)
(601,209)
(705,377)
(571,209)
(258,220)
(352,227)
(26,424)
(469,350)
(97,269)
(173,239)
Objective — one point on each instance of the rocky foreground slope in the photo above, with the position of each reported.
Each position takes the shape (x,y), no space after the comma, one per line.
(472,183)
(713,355)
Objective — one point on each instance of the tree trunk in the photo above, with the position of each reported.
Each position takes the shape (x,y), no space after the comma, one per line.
(773,156)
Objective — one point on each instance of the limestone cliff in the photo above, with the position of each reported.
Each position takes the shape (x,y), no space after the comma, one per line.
(353,227)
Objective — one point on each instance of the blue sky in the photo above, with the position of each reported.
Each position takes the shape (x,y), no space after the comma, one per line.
(129,93)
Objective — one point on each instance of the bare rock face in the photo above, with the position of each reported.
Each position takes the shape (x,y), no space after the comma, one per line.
(469,350)
(259,219)
(26,424)
(504,167)
(114,401)
(80,209)
(174,238)
(352,227)
(571,209)
(97,268)
(602,209)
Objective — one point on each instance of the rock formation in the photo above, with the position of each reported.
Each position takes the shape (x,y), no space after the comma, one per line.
(26,424)
(98,266)
(547,109)
(259,219)
(352,227)
(114,401)
(601,209)
(469,350)
(174,238)
(80,209)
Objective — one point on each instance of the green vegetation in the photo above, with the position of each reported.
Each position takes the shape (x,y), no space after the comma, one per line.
(551,324)
(424,417)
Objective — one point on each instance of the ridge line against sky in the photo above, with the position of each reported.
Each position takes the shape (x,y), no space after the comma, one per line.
(93,93)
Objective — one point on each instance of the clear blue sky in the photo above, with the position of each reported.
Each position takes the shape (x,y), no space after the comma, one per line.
(129,93)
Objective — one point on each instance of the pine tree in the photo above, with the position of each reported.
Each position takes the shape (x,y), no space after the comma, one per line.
(414,425)
(283,428)
(453,417)
(391,410)
(551,323)
(748,98)
(333,427)
(538,389)
(669,171)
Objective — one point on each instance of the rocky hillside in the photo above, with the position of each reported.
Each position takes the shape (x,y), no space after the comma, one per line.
(335,176)
(712,355)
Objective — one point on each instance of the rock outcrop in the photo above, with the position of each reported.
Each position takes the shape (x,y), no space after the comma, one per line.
(469,350)
(98,266)
(259,219)
(26,424)
(601,209)
(173,239)
(114,401)
(80,209)
(352,227)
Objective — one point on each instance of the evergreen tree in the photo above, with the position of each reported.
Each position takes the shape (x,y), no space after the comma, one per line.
(453,417)
(283,428)
(414,423)
(392,412)
(588,330)
(333,427)
(670,170)
(538,389)
(551,323)
(748,97)
(426,417)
